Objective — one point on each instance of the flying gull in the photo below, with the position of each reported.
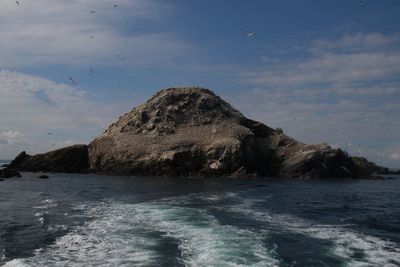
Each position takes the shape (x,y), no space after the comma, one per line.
(249,34)
(72,80)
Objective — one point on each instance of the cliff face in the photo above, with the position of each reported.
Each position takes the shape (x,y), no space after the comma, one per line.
(193,132)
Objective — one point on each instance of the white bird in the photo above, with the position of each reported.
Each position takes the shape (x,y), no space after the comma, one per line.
(249,34)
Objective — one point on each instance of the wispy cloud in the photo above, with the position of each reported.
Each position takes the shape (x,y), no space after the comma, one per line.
(330,68)
(11,134)
(355,42)
(361,57)
(37,114)
(46,32)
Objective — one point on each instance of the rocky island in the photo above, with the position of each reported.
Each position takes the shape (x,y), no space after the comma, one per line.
(193,132)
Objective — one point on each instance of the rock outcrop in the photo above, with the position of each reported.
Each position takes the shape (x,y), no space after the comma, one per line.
(367,167)
(193,132)
(182,131)
(72,159)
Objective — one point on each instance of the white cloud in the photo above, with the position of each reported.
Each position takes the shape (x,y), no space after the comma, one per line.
(394,155)
(37,114)
(45,32)
(355,42)
(329,68)
(11,134)
(352,58)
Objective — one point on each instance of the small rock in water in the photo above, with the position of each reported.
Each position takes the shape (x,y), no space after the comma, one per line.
(43,176)
(241,173)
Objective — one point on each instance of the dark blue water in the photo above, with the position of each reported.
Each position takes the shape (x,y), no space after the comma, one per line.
(90,220)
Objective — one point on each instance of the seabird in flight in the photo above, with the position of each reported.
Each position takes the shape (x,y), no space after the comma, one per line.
(72,80)
(249,34)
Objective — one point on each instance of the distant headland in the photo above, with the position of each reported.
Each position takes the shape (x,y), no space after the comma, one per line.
(193,132)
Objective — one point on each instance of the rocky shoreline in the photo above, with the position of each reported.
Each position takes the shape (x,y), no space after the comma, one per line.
(193,132)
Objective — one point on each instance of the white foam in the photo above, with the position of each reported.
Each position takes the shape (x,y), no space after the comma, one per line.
(126,235)
(202,240)
(3,256)
(105,241)
(377,252)
(16,263)
(47,204)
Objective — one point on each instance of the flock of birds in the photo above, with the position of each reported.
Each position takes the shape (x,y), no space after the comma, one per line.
(91,12)
(120,57)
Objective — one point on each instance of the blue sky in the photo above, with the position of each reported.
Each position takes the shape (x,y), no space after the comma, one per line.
(324,71)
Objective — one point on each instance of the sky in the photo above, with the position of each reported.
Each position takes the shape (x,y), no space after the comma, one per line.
(323,71)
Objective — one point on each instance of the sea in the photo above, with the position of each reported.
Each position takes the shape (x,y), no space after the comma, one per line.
(2,162)
(94,220)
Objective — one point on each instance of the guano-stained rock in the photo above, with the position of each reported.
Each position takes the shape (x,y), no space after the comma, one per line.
(193,132)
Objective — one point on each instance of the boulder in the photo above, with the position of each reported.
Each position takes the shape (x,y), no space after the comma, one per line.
(241,173)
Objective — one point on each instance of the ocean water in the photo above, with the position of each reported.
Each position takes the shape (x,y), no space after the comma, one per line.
(92,220)
(3,161)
